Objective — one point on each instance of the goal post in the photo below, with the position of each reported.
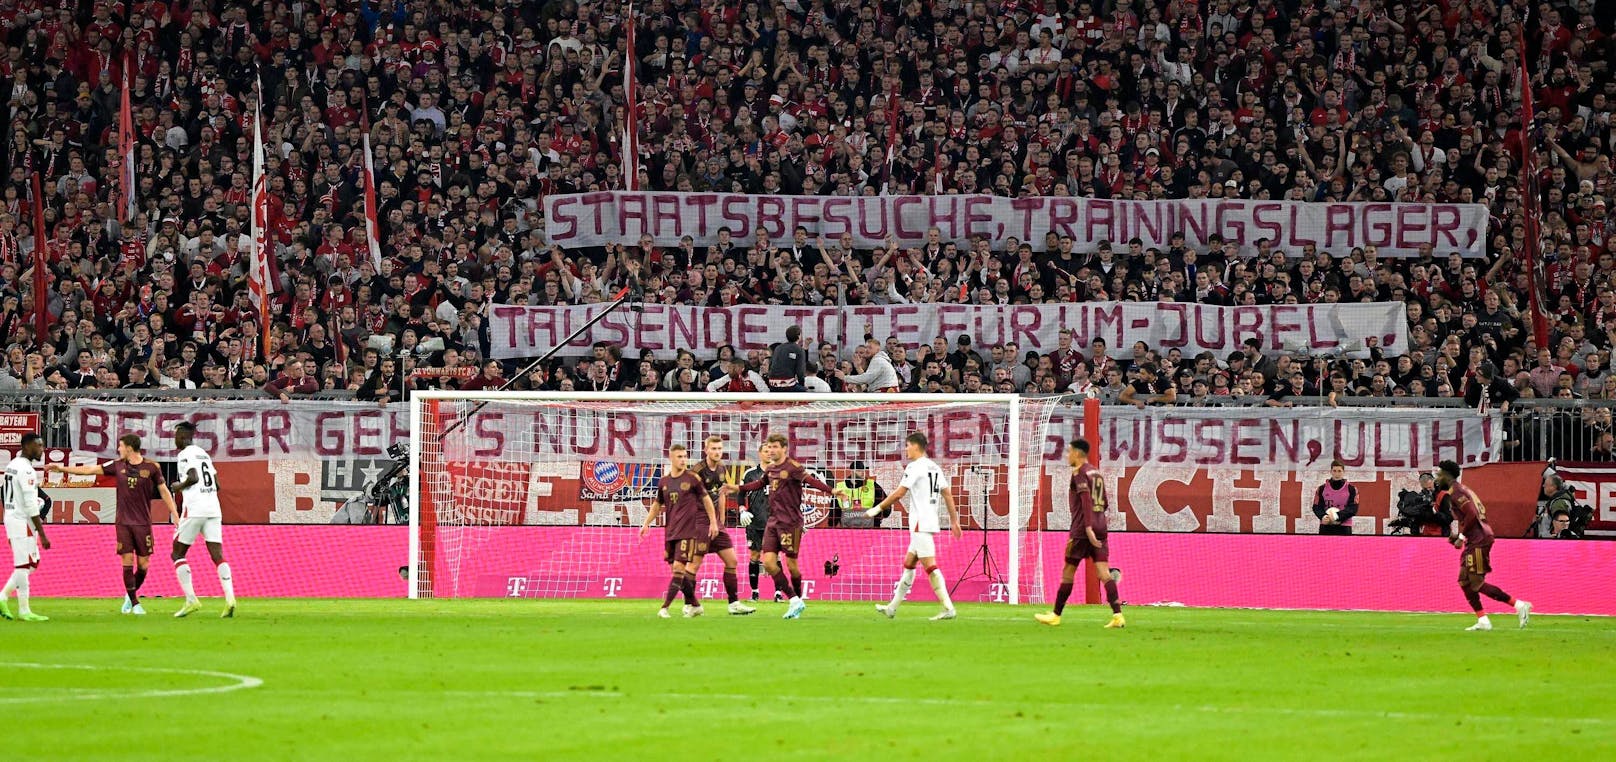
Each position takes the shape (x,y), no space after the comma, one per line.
(541,494)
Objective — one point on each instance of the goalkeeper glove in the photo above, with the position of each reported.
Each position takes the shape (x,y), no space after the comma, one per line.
(746,518)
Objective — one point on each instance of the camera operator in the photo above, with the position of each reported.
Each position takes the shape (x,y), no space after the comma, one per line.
(1560,518)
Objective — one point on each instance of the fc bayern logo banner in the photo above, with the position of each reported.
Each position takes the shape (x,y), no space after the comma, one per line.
(612,480)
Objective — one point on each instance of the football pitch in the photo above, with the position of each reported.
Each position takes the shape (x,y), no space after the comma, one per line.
(544,679)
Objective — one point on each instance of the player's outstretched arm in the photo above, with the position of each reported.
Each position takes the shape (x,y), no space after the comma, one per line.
(94,469)
(887,502)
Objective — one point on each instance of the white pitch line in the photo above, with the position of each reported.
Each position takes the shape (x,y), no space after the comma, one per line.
(1348,714)
(241,682)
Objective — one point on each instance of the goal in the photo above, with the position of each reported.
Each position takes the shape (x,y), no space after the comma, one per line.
(519,494)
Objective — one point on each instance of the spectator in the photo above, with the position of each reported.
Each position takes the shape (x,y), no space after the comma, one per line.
(741,379)
(789,361)
(292,381)
(878,375)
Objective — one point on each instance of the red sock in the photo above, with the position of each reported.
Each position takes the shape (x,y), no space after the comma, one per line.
(732,585)
(796,584)
(782,583)
(690,590)
(674,586)
(1061,595)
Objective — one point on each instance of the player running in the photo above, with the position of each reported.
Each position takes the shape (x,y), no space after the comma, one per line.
(923,490)
(1472,532)
(681,493)
(139,482)
(785,479)
(755,503)
(1086,499)
(199,485)
(711,472)
(20,493)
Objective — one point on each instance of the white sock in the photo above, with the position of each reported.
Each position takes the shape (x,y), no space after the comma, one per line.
(904,583)
(22,591)
(182,571)
(227,583)
(11,584)
(940,588)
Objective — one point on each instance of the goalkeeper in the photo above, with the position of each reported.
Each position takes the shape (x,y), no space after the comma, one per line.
(754,516)
(861,486)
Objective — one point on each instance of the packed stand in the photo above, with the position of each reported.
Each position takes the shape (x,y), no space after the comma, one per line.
(476,110)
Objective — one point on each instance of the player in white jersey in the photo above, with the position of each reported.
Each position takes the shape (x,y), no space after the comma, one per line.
(199,488)
(20,493)
(923,491)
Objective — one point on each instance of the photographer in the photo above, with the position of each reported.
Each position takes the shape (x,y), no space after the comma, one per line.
(1561,517)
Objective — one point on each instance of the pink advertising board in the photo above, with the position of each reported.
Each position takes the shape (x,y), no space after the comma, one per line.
(1252,571)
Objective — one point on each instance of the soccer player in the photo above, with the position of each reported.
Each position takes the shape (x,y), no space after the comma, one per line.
(1086,499)
(711,472)
(755,503)
(924,489)
(785,479)
(1472,533)
(199,485)
(681,493)
(21,496)
(139,482)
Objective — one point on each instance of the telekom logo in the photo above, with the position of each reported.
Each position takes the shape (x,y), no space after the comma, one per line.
(613,586)
(515,587)
(707,588)
(807,589)
(998,592)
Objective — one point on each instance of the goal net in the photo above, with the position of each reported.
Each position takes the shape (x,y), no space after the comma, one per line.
(522,494)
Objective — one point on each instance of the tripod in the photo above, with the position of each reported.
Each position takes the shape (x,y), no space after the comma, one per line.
(989,569)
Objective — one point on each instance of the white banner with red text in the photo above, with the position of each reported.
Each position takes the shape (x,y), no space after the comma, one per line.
(518,331)
(1172,469)
(1397,230)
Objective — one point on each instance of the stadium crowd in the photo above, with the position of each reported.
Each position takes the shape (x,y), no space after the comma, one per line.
(476,110)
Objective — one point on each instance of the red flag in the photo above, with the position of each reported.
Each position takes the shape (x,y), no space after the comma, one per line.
(1531,255)
(372,232)
(42,316)
(260,278)
(631,120)
(126,155)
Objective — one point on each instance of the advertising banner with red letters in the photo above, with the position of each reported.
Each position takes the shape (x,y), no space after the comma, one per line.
(1247,470)
(1397,230)
(518,331)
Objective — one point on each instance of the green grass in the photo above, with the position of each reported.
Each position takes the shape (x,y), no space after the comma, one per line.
(458,680)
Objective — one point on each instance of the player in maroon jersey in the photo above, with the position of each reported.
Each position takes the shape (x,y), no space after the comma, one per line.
(681,493)
(1472,533)
(785,479)
(139,482)
(1087,540)
(711,471)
